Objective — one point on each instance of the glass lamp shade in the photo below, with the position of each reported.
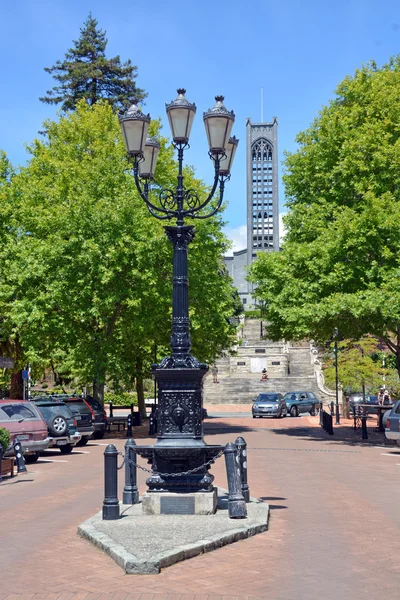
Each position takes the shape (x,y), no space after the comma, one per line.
(180,116)
(147,166)
(134,125)
(225,164)
(218,122)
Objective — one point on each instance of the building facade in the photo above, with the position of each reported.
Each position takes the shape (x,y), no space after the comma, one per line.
(262,204)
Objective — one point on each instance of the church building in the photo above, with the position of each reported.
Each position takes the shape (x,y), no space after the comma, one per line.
(262,204)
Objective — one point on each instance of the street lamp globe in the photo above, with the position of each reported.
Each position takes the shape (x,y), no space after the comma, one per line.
(134,125)
(225,165)
(218,122)
(180,114)
(147,166)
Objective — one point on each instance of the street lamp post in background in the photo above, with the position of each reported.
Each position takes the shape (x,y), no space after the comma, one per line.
(335,336)
(180,446)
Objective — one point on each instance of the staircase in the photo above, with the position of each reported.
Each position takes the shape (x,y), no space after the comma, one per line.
(289,369)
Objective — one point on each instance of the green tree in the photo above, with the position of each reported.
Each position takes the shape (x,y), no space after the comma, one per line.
(359,367)
(340,261)
(86,73)
(90,271)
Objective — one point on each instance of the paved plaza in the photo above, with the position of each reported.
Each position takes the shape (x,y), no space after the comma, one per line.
(334,528)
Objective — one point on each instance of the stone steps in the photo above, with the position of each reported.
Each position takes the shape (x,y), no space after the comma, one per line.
(289,369)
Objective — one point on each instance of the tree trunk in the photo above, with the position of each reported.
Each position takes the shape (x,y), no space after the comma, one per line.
(98,390)
(16,386)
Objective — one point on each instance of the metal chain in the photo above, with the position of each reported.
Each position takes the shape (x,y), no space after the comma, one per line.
(190,472)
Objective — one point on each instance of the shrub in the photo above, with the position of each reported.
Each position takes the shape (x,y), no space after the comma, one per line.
(253,314)
(4,438)
(121,398)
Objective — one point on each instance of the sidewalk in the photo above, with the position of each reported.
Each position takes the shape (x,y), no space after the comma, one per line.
(334,525)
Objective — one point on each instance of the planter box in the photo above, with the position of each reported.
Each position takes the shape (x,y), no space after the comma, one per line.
(7,466)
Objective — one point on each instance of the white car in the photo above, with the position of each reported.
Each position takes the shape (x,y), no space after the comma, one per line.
(391,421)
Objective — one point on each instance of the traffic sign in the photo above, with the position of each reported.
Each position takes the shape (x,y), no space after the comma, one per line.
(6,363)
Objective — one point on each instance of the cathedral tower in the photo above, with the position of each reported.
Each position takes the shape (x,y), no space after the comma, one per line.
(262,188)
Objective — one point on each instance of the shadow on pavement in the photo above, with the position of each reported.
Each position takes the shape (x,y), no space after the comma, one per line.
(342,434)
(221,427)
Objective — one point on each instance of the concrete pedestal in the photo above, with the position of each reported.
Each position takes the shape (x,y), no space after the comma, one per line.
(167,503)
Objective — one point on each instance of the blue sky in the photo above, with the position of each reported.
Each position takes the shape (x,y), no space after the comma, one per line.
(296,51)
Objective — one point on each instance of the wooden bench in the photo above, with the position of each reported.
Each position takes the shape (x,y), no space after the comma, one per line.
(7,467)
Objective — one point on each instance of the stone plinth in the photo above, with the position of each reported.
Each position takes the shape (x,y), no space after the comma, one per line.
(164,503)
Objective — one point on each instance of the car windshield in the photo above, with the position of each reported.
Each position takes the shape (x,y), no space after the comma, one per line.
(268,398)
(292,396)
(16,412)
(49,410)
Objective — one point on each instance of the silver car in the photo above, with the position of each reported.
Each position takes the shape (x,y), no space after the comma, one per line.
(391,422)
(269,404)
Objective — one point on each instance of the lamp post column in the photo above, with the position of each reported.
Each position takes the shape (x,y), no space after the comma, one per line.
(337,384)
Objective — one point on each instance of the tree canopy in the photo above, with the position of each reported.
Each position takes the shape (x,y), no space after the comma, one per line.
(339,266)
(87,74)
(88,279)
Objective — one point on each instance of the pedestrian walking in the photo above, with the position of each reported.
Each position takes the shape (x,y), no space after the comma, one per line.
(215,373)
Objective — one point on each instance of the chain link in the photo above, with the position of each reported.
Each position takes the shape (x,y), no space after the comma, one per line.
(190,472)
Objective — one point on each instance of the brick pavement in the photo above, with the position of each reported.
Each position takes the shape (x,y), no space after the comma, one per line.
(334,529)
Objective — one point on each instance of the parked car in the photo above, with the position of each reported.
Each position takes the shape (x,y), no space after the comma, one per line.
(23,420)
(269,404)
(301,402)
(61,424)
(392,423)
(99,417)
(357,398)
(84,416)
(81,410)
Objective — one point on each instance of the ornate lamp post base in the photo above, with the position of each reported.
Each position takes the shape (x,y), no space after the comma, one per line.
(180,447)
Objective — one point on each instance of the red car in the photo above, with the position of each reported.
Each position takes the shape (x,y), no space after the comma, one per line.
(23,419)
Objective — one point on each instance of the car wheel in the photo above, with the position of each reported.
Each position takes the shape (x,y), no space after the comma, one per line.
(31,458)
(254,416)
(98,435)
(83,441)
(66,449)
(57,425)
(294,411)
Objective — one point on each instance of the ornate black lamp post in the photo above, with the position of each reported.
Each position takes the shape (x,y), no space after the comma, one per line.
(180,446)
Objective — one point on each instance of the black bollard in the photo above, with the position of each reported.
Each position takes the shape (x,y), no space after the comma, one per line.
(110,504)
(130,494)
(129,426)
(19,457)
(131,408)
(364,431)
(111,409)
(332,408)
(236,503)
(242,454)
